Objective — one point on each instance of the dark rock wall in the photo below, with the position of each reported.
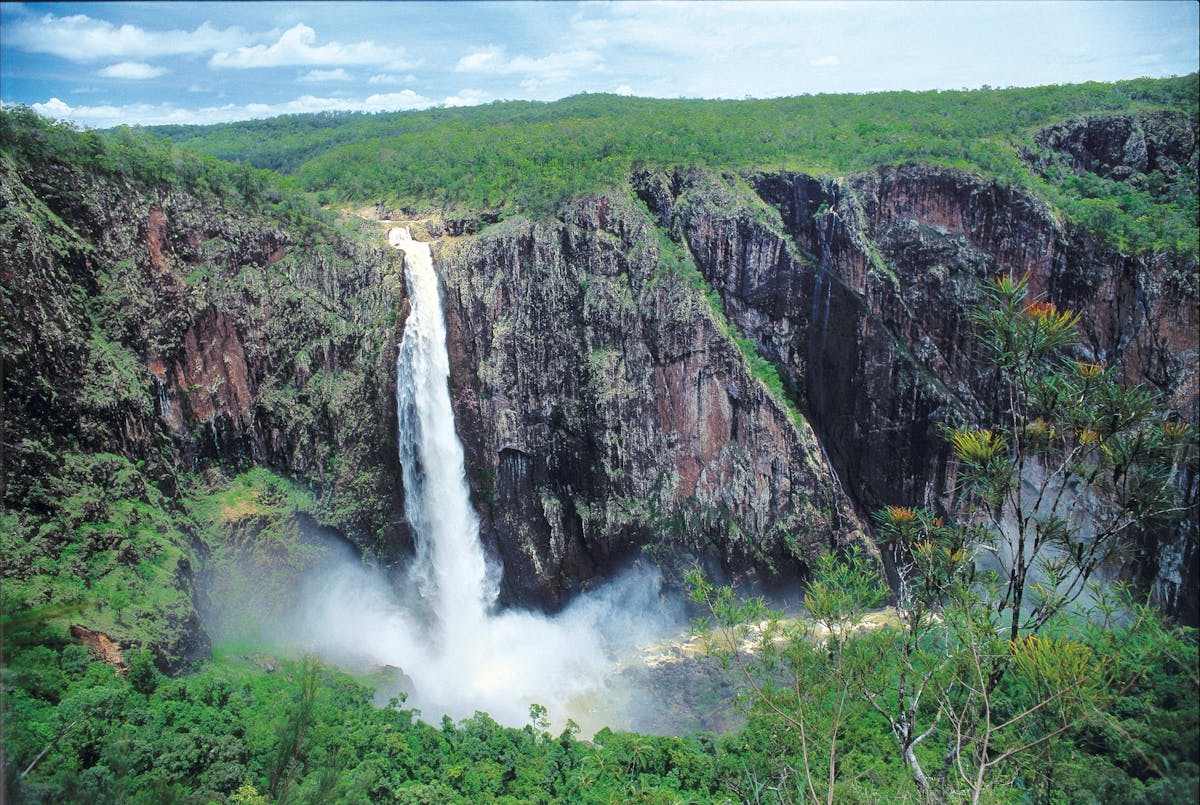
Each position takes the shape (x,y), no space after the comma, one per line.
(859,288)
(604,410)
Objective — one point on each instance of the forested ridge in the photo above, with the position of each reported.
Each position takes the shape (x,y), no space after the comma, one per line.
(119,506)
(525,156)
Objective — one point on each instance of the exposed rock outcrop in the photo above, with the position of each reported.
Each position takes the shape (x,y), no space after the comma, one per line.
(1122,147)
(859,288)
(604,409)
(102,646)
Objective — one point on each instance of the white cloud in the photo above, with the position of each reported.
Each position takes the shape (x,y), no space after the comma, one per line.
(390,78)
(338,74)
(134,70)
(624,89)
(53,108)
(726,49)
(550,69)
(467,97)
(710,49)
(714,49)
(296,46)
(155,114)
(480,60)
(709,30)
(81,38)
(405,99)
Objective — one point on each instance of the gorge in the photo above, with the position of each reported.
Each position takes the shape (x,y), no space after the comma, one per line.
(249,417)
(459,653)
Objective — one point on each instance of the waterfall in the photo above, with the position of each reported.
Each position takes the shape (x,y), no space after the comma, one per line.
(457,653)
(451,568)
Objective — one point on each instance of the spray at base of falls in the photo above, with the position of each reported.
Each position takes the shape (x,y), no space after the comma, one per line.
(459,654)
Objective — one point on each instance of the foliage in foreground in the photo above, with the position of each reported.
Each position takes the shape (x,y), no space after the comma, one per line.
(822,688)
(236,732)
(1003,668)
(257,729)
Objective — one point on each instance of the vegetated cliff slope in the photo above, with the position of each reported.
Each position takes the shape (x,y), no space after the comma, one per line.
(166,318)
(160,329)
(859,288)
(605,407)
(156,326)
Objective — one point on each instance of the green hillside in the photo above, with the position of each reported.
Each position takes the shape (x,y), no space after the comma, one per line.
(523,156)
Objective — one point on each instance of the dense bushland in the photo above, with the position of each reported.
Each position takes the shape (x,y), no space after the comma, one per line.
(131,156)
(1044,702)
(253,728)
(525,156)
(1000,654)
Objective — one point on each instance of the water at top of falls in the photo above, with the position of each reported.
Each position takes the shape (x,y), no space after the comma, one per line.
(451,566)
(398,235)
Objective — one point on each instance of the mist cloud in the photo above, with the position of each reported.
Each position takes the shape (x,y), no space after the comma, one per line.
(354,615)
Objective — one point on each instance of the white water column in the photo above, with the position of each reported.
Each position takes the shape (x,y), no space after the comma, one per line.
(452,569)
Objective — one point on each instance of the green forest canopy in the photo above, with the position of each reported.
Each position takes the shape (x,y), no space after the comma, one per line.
(524,156)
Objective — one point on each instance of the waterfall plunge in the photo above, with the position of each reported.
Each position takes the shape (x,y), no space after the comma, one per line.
(460,655)
(451,568)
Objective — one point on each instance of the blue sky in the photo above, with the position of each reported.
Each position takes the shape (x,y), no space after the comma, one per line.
(101,64)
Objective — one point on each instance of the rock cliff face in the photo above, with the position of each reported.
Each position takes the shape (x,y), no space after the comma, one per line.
(1122,146)
(152,333)
(605,409)
(859,289)
(225,333)
(149,332)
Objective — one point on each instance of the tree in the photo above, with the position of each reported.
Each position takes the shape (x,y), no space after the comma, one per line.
(994,652)
(798,672)
(295,732)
